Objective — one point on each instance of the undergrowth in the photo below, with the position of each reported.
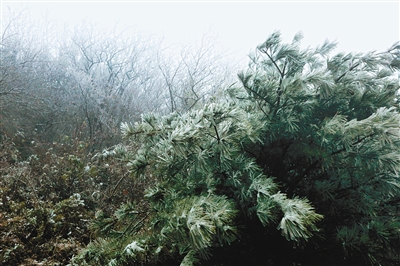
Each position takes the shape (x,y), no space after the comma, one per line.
(51,192)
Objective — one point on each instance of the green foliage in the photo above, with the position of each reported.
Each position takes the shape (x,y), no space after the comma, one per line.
(332,135)
(203,181)
(243,174)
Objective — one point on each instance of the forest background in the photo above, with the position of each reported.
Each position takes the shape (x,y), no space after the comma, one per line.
(68,98)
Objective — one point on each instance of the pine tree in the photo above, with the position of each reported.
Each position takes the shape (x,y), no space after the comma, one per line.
(332,136)
(298,164)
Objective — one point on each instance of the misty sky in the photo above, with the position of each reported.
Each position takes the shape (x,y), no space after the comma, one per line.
(240,26)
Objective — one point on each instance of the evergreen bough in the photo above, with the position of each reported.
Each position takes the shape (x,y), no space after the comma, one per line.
(299,163)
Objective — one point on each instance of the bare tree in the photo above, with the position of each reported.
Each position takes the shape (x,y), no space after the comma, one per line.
(24,73)
(112,73)
(195,73)
(83,82)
